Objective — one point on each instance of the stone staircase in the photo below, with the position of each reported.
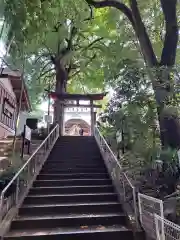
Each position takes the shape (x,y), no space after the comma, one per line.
(72,198)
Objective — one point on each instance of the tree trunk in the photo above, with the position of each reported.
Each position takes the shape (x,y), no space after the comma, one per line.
(61,81)
(159,73)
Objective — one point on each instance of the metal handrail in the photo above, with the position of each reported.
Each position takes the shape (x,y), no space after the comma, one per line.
(28,172)
(128,180)
(27,162)
(121,181)
(115,158)
(109,149)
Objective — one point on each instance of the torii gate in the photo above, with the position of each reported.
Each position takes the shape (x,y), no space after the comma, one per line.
(65,99)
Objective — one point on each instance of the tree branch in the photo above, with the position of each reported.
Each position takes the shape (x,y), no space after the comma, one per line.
(74,74)
(69,68)
(92,43)
(70,40)
(91,14)
(45,55)
(44,73)
(133,14)
(171,37)
(48,49)
(57,26)
(86,64)
(69,47)
(59,45)
(115,4)
(44,67)
(142,35)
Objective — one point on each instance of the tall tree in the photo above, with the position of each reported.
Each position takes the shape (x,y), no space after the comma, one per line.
(63,47)
(159,70)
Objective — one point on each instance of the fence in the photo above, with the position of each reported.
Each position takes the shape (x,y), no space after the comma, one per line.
(166,230)
(14,193)
(148,206)
(126,190)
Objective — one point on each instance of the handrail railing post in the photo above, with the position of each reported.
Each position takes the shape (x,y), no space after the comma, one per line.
(135,206)
(17,190)
(1,206)
(124,190)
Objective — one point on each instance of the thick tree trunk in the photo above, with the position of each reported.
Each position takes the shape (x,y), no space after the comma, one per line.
(61,81)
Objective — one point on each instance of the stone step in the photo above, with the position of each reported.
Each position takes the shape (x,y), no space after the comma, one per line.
(76,159)
(71,182)
(44,176)
(72,189)
(70,198)
(73,170)
(73,164)
(115,232)
(69,220)
(70,208)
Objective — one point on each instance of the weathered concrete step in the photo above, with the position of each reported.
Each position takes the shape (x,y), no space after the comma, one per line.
(78,159)
(75,143)
(115,232)
(72,189)
(71,220)
(68,149)
(74,164)
(71,182)
(75,151)
(77,147)
(71,175)
(78,208)
(70,198)
(73,170)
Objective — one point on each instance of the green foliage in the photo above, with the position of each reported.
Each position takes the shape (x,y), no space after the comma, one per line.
(118,45)
(32,50)
(169,155)
(132,111)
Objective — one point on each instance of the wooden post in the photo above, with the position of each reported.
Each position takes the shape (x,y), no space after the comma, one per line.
(92,118)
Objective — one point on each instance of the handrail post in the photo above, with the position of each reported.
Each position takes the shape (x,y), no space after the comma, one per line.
(124,191)
(1,206)
(17,190)
(135,207)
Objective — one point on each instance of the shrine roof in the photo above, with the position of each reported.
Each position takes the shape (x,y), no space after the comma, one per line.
(16,79)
